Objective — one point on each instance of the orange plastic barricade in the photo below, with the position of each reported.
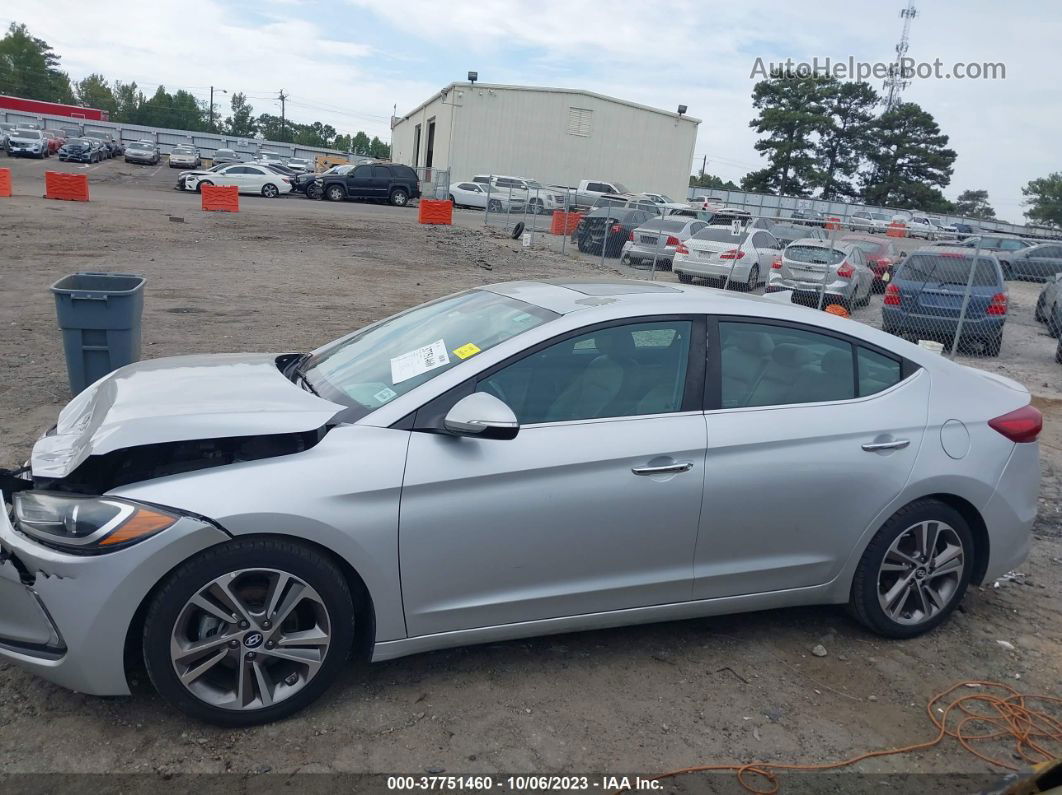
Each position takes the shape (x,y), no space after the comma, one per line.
(5,182)
(896,229)
(833,222)
(564,223)
(221,198)
(435,211)
(837,309)
(66,187)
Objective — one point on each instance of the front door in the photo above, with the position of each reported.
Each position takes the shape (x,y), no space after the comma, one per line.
(593,507)
(813,437)
(359,182)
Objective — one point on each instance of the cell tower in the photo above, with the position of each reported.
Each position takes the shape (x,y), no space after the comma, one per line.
(898,80)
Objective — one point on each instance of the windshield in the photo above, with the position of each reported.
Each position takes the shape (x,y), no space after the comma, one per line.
(814,255)
(376,365)
(866,246)
(620,188)
(720,235)
(948,269)
(183,150)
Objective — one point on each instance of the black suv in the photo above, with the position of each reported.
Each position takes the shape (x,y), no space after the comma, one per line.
(387,182)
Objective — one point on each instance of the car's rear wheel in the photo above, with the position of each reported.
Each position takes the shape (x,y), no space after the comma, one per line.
(992,345)
(249,632)
(685,278)
(334,193)
(915,570)
(399,197)
(1038,313)
(270,191)
(754,278)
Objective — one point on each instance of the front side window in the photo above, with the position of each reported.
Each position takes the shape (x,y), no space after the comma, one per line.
(362,172)
(769,365)
(374,366)
(618,371)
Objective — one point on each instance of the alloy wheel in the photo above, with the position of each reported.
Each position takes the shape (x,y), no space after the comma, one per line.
(921,572)
(250,639)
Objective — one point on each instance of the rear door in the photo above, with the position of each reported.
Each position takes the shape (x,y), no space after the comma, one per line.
(810,436)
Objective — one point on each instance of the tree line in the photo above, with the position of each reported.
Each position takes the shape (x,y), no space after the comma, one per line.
(825,138)
(30,68)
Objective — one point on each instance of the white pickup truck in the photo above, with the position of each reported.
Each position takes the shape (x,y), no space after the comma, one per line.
(590,190)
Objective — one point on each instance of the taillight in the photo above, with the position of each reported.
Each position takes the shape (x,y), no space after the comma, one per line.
(617,228)
(681,249)
(892,295)
(671,241)
(998,306)
(631,236)
(846,271)
(777,264)
(1022,425)
(734,253)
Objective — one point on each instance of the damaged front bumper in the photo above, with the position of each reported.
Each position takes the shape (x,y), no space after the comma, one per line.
(65,617)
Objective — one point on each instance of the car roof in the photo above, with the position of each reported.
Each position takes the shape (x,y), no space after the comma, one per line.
(964,251)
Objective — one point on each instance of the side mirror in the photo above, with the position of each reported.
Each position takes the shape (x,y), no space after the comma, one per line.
(482,416)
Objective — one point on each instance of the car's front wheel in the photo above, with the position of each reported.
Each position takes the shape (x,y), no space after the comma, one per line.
(313,191)
(334,193)
(199,185)
(915,570)
(249,632)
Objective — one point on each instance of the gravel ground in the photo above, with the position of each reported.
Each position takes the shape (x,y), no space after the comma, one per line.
(288,274)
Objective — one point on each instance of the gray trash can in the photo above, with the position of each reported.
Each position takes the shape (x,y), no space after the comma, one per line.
(99,315)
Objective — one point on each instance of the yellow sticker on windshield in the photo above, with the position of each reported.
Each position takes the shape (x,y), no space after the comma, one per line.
(471,349)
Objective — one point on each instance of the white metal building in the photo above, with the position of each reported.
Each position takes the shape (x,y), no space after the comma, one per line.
(555,135)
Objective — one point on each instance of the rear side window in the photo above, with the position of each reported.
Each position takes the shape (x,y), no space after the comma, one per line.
(768,365)
(877,372)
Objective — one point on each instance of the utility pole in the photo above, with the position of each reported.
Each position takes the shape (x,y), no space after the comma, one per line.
(212,109)
(704,165)
(283,99)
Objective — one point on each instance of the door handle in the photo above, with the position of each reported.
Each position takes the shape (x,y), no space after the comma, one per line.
(896,444)
(667,469)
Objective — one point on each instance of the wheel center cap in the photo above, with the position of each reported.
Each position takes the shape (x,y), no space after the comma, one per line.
(252,640)
(919,575)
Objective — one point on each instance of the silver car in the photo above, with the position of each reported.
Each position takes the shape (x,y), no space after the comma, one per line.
(246,522)
(142,152)
(721,257)
(183,156)
(811,267)
(1049,306)
(656,240)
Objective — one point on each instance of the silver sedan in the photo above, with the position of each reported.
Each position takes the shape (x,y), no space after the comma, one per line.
(654,242)
(235,519)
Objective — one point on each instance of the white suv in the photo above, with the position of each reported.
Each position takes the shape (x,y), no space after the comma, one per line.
(539,198)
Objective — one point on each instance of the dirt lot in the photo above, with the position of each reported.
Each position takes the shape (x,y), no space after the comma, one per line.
(289,274)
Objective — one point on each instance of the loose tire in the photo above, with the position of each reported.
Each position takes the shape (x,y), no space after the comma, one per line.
(334,193)
(915,570)
(270,191)
(249,631)
(399,197)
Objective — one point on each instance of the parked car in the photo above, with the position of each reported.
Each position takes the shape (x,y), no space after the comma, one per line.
(238,571)
(805,217)
(663,201)
(110,146)
(703,203)
(247,177)
(223,157)
(786,233)
(836,271)
(1049,306)
(56,140)
(186,180)
(522,190)
(590,190)
(27,143)
(881,255)
(656,240)
(305,183)
(6,129)
(299,165)
(860,221)
(920,226)
(963,231)
(719,256)
(183,156)
(1000,245)
(81,150)
(606,229)
(386,182)
(725,216)
(142,152)
(926,298)
(474,194)
(1036,263)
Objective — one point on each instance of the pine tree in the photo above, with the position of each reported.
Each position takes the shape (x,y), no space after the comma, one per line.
(910,161)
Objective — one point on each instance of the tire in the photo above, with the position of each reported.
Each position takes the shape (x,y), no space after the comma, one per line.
(494,206)
(905,619)
(270,191)
(685,278)
(1038,312)
(335,193)
(536,206)
(992,345)
(1008,274)
(1058,352)
(313,191)
(199,185)
(754,279)
(453,201)
(518,230)
(399,197)
(1053,320)
(249,568)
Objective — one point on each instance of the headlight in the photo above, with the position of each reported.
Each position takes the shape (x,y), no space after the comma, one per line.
(86,524)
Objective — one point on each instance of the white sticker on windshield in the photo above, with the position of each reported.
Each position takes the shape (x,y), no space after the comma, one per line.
(384,394)
(412,364)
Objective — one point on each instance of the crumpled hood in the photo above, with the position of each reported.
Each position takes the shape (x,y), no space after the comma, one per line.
(178,399)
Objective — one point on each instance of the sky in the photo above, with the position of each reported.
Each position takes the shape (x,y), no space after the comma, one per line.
(350,62)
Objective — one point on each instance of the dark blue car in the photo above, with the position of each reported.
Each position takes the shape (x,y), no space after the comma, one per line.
(925,299)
